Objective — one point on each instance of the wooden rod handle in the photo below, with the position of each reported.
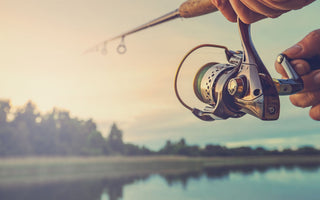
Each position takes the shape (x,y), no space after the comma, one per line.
(193,8)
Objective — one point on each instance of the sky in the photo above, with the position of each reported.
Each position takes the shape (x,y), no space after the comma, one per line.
(42,59)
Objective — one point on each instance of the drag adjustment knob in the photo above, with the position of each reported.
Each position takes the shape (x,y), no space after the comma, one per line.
(236,87)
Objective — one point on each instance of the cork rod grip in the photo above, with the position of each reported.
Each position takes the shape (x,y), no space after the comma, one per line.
(193,8)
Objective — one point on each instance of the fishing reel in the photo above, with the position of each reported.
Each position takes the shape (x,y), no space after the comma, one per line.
(241,86)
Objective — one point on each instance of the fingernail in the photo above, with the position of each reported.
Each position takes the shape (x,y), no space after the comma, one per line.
(294,50)
(317,78)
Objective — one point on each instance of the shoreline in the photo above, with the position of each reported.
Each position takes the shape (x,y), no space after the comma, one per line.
(41,170)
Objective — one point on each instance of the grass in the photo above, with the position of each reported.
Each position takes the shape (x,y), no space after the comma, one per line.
(42,169)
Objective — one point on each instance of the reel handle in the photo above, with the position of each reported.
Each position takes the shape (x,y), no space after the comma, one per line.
(294,82)
(314,62)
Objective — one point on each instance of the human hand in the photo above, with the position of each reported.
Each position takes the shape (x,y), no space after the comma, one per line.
(250,11)
(308,48)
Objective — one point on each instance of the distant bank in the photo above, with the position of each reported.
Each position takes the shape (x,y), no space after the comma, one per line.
(56,169)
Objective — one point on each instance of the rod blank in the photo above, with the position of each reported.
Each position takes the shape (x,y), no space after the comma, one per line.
(188,9)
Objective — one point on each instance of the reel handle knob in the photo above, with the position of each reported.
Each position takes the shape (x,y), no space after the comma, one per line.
(291,85)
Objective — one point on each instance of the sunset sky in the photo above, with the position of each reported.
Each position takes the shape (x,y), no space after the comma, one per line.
(42,59)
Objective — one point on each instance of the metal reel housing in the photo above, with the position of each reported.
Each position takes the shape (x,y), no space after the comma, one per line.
(210,87)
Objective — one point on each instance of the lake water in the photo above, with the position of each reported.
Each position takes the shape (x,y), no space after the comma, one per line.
(241,183)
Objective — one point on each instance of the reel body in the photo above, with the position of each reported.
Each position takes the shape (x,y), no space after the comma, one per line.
(241,86)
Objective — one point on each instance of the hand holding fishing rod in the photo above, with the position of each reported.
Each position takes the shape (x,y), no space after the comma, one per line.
(243,85)
(308,49)
(250,11)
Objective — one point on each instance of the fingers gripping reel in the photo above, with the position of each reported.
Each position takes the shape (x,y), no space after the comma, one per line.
(241,86)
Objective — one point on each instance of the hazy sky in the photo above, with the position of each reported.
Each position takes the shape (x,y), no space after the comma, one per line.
(42,45)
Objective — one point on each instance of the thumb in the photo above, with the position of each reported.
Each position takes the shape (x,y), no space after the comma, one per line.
(308,47)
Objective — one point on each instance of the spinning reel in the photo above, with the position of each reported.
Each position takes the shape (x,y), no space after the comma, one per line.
(241,86)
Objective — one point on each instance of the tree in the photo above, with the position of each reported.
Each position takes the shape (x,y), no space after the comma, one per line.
(7,141)
(242,151)
(55,133)
(179,148)
(26,129)
(4,111)
(168,148)
(215,150)
(307,150)
(97,145)
(115,139)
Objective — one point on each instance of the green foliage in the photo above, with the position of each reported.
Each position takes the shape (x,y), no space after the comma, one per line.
(179,148)
(134,150)
(26,132)
(55,133)
(29,133)
(115,140)
(117,146)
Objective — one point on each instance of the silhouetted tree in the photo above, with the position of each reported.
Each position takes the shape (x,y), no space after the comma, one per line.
(179,148)
(4,111)
(115,139)
(307,150)
(242,151)
(26,132)
(215,150)
(260,151)
(55,133)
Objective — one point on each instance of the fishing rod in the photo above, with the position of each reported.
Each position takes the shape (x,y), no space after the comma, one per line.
(188,9)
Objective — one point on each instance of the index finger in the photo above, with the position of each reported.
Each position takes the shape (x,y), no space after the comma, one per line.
(302,67)
(308,47)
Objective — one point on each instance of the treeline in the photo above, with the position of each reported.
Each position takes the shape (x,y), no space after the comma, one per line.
(27,132)
(181,148)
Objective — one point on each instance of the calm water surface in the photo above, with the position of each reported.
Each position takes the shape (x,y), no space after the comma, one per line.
(241,183)
(273,184)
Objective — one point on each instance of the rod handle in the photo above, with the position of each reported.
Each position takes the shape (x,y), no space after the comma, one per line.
(193,8)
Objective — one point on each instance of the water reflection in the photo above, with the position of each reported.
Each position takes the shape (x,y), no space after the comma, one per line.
(78,190)
(113,188)
(224,172)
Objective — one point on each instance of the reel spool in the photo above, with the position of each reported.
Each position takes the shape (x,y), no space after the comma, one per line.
(207,78)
